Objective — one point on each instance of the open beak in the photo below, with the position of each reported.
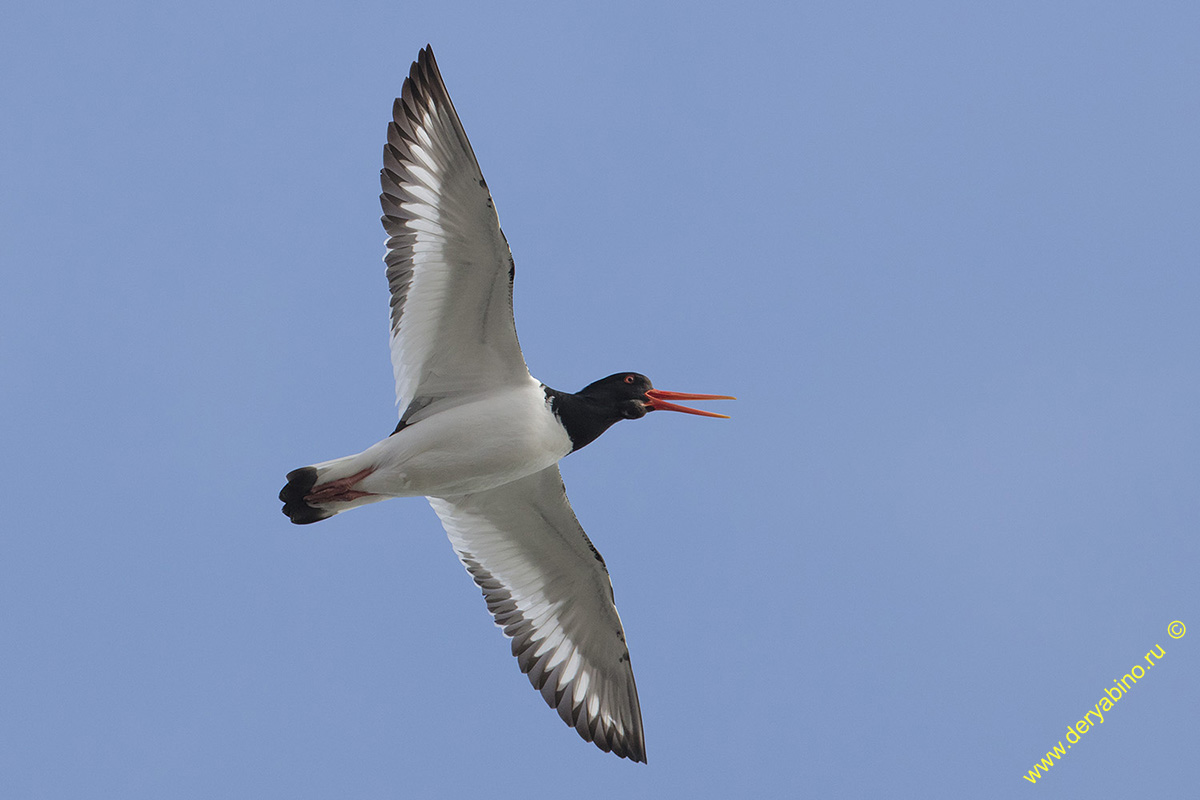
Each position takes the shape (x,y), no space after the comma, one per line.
(658,402)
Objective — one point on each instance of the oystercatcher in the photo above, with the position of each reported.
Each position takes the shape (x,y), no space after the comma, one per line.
(479,436)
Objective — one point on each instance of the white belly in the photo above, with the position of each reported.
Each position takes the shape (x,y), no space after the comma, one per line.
(469,448)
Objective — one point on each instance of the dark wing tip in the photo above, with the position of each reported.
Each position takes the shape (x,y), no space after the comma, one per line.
(426,55)
(632,748)
(424,71)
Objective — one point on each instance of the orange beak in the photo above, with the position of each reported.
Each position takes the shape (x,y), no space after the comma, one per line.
(658,402)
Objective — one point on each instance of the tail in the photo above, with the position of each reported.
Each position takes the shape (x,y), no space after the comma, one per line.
(300,483)
(320,491)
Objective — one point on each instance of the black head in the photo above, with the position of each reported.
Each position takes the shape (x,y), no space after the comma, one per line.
(625,395)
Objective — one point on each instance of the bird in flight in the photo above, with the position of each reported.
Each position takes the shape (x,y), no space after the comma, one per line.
(479,436)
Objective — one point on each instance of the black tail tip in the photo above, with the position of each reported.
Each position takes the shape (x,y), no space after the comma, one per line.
(300,483)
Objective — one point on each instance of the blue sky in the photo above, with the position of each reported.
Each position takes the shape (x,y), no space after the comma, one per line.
(945,254)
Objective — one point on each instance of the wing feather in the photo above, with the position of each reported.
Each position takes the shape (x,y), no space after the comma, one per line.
(549,591)
(449,267)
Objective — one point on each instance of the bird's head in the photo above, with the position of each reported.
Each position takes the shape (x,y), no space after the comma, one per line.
(632,396)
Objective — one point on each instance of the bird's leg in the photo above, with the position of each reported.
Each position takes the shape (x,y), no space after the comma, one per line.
(338,491)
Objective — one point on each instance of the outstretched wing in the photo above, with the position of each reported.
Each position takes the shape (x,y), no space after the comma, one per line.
(448,264)
(549,590)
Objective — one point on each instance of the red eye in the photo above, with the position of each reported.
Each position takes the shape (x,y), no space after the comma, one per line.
(629,379)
